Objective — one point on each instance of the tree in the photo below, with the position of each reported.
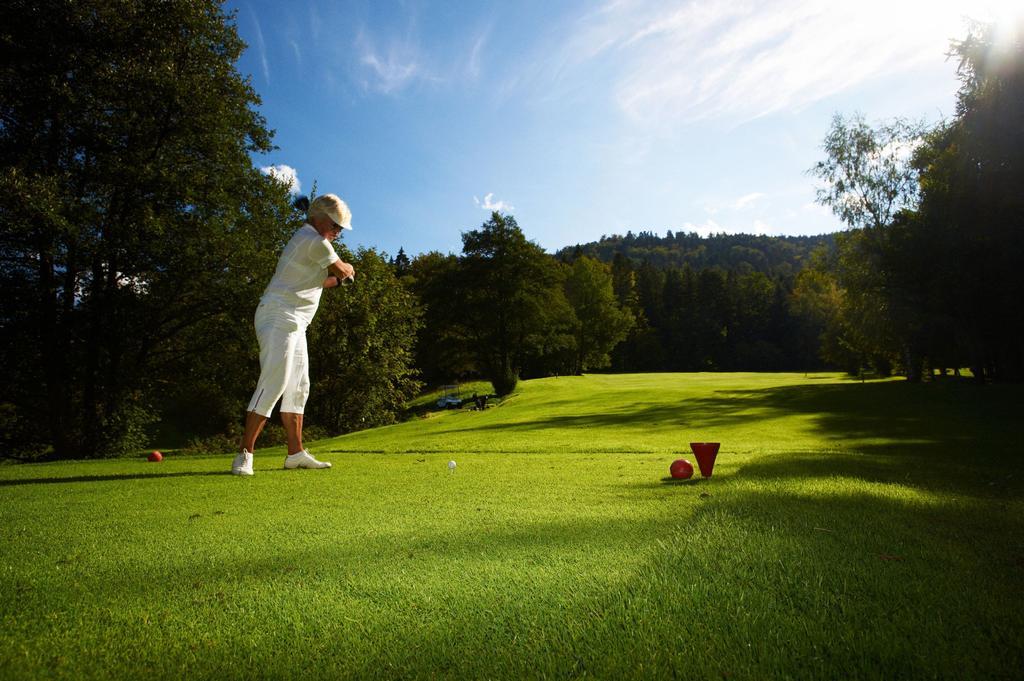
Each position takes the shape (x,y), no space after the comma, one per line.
(624,281)
(932,273)
(135,229)
(442,346)
(361,348)
(625,356)
(751,343)
(867,171)
(401,263)
(509,297)
(742,252)
(818,301)
(680,328)
(646,345)
(870,183)
(712,317)
(972,209)
(600,322)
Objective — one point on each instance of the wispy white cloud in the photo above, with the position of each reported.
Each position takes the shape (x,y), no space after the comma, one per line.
(711,208)
(261,46)
(815,207)
(710,227)
(314,22)
(674,62)
(490,205)
(706,228)
(390,69)
(473,63)
(746,200)
(714,207)
(286,174)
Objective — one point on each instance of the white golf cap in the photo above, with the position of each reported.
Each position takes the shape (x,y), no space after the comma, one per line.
(333,208)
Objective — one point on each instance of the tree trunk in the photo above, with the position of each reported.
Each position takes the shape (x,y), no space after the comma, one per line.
(90,397)
(914,364)
(51,352)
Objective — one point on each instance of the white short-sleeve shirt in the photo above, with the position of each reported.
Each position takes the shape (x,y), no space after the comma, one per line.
(298,281)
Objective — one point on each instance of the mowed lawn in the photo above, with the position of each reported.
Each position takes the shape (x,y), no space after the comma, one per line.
(850,530)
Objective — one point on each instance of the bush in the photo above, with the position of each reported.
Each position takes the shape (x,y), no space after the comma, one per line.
(504,382)
(20,436)
(126,431)
(273,435)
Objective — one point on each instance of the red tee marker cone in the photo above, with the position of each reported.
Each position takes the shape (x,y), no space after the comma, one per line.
(155,456)
(706,452)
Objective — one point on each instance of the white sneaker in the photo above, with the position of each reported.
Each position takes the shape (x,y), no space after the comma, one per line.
(304,459)
(242,465)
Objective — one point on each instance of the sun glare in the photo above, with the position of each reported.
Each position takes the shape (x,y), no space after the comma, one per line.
(1005,10)
(1005,15)
(1007,18)
(953,18)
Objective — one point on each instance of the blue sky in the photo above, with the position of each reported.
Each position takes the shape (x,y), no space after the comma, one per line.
(584,118)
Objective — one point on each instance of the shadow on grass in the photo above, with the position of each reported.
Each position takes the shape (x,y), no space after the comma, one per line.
(954,417)
(684,482)
(831,566)
(857,574)
(109,478)
(918,466)
(848,583)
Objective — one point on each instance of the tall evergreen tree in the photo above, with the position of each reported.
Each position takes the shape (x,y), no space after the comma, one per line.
(649,348)
(401,263)
(680,327)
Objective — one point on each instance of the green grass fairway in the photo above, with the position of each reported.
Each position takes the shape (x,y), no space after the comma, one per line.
(851,530)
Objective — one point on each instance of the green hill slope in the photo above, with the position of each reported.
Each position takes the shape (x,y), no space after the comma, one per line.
(753,414)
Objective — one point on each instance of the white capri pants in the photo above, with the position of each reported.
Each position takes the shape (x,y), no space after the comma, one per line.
(284,363)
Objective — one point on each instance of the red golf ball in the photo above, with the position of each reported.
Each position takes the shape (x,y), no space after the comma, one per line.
(157,456)
(681,468)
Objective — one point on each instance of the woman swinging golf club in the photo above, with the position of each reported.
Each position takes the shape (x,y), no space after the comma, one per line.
(307,265)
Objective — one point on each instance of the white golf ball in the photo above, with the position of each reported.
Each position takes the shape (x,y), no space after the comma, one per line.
(451,465)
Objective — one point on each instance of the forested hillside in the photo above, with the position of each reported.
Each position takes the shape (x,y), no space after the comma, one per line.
(782,255)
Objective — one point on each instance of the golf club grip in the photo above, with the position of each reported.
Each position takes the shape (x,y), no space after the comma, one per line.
(348,281)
